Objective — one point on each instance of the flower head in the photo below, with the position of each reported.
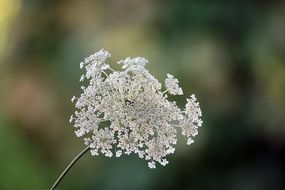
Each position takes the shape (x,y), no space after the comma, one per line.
(124,112)
(172,86)
(128,62)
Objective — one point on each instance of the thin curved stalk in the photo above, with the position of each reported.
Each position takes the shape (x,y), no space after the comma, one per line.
(69,167)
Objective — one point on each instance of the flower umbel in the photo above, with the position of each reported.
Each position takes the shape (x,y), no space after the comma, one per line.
(124,112)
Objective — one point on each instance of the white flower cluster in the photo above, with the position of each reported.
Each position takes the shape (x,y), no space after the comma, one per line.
(126,112)
(172,86)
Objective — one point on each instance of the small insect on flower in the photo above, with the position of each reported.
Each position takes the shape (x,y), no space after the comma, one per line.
(127,111)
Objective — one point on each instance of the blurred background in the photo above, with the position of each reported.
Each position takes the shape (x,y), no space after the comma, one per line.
(231,54)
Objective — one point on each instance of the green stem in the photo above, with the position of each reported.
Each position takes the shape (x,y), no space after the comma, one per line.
(69,167)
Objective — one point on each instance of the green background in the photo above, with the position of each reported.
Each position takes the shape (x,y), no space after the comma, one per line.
(231,54)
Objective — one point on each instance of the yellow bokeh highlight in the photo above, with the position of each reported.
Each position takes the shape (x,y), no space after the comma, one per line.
(8,9)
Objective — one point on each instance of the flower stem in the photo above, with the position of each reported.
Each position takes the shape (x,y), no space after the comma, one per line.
(69,167)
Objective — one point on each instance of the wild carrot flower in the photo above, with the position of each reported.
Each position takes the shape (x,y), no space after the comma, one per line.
(127,111)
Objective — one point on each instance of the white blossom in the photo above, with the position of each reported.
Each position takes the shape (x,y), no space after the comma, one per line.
(125,111)
(172,86)
(128,62)
(118,153)
(151,165)
(192,120)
